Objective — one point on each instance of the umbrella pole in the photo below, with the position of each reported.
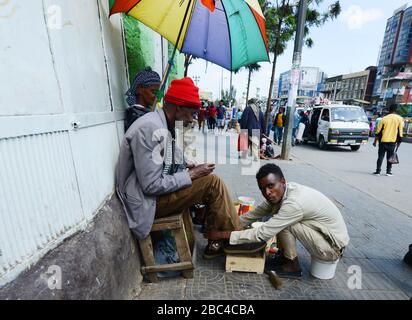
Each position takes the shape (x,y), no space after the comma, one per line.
(170,63)
(165,77)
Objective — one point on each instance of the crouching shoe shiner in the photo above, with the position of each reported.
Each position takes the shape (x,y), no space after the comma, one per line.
(292,211)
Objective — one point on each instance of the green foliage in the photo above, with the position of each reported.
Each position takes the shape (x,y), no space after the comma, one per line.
(281,18)
(227,96)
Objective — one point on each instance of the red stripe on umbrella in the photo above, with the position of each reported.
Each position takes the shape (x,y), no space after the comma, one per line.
(123,6)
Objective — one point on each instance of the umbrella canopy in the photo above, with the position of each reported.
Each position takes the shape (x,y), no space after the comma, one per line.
(229,33)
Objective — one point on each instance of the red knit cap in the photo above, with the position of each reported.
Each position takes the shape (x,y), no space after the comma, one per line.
(183,93)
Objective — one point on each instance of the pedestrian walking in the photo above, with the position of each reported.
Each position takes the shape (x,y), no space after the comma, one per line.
(201,119)
(279,124)
(221,113)
(270,122)
(228,119)
(389,134)
(212,117)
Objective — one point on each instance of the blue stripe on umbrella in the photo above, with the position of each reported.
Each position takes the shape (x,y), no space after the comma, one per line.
(205,30)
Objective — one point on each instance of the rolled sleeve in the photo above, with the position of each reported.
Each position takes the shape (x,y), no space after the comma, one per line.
(289,214)
(262,210)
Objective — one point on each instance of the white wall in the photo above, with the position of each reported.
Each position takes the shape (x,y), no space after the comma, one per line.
(60,64)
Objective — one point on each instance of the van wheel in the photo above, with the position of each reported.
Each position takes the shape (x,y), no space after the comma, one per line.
(321,143)
(354,148)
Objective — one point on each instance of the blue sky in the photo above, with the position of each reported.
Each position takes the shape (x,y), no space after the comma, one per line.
(348,44)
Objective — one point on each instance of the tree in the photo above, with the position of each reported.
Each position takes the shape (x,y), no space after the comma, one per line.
(251,68)
(188,61)
(227,96)
(281,23)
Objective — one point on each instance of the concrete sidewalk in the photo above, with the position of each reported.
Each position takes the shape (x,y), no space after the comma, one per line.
(380,236)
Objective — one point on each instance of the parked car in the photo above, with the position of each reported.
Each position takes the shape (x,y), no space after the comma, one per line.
(338,125)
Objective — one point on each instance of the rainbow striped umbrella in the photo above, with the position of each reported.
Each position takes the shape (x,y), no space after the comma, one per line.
(229,33)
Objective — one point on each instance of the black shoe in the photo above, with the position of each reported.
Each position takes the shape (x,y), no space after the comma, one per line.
(288,274)
(377,173)
(213,250)
(284,269)
(389,174)
(245,248)
(277,260)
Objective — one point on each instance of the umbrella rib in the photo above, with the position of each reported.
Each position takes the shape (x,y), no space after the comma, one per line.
(230,39)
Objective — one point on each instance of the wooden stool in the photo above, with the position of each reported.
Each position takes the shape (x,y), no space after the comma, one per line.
(182,231)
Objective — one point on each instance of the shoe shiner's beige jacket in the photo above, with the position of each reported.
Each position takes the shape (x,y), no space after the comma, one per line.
(300,204)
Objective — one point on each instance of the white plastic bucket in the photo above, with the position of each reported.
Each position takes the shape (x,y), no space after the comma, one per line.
(324,270)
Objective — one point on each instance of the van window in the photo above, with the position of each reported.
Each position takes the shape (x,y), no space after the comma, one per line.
(325,115)
(349,114)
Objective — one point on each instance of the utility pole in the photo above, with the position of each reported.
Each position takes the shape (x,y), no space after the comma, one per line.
(294,80)
(230,90)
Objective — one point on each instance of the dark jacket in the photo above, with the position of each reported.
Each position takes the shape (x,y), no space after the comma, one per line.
(249,121)
(133,113)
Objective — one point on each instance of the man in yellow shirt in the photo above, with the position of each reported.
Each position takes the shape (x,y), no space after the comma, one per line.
(389,134)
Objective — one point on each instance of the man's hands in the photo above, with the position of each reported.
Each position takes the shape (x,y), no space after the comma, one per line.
(217,235)
(203,170)
(190,165)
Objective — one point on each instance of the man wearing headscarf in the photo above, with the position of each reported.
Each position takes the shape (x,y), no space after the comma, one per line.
(154,181)
(141,95)
(253,120)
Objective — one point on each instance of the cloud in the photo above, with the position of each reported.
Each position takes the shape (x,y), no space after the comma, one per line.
(355,17)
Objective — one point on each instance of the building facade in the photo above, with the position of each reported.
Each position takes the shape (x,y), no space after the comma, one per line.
(310,83)
(353,88)
(394,75)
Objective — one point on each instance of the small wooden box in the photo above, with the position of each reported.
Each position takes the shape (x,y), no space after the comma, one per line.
(246,263)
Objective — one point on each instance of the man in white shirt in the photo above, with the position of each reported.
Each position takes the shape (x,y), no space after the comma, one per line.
(295,212)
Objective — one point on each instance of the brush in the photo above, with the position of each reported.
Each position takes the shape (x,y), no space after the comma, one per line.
(275,280)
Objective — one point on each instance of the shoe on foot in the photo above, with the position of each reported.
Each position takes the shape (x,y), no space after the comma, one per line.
(389,174)
(289,269)
(246,248)
(376,173)
(276,260)
(213,250)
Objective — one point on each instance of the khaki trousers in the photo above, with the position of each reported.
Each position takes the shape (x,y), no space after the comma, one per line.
(312,240)
(211,191)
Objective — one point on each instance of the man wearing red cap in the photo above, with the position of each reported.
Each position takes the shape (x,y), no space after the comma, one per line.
(154,181)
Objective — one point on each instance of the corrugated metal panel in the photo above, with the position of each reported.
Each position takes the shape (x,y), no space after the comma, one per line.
(39,197)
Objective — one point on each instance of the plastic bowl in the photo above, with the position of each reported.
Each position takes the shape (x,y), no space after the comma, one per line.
(247,200)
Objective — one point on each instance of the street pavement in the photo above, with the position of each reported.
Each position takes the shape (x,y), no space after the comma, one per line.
(379,228)
(356,168)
